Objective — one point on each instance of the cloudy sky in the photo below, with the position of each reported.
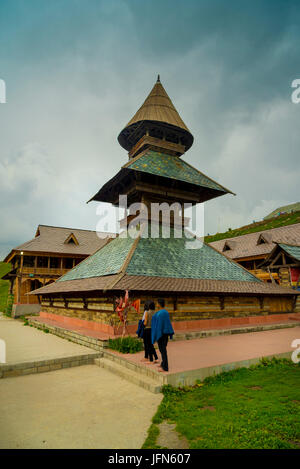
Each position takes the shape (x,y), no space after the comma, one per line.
(77,70)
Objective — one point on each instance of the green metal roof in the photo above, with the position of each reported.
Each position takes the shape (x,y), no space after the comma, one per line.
(173,167)
(106,261)
(169,257)
(293,251)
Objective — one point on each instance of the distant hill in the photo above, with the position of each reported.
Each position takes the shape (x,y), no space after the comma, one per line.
(280,220)
(284,209)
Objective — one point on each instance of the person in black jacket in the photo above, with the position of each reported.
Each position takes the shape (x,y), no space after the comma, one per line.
(146,353)
(151,352)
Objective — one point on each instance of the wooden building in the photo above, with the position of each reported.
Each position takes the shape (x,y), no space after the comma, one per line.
(251,250)
(42,260)
(202,287)
(283,262)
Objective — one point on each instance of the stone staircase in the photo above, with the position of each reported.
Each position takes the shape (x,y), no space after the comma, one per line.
(144,376)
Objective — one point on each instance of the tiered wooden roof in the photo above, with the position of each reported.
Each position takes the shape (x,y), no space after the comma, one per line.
(157,108)
(160,170)
(159,264)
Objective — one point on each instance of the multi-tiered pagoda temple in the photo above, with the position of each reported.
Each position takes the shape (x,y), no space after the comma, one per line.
(202,287)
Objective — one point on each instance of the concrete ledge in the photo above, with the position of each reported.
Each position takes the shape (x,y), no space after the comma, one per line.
(19,369)
(131,371)
(72,336)
(23,310)
(129,374)
(189,377)
(135,367)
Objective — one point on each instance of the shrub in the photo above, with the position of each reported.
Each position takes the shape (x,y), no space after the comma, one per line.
(9,305)
(126,344)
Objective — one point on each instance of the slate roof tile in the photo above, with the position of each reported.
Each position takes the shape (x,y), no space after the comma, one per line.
(246,245)
(52,239)
(173,167)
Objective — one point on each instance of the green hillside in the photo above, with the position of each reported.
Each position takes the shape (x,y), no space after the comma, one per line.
(4,286)
(284,209)
(275,222)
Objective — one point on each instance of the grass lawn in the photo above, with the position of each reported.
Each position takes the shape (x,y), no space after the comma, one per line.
(246,408)
(4,285)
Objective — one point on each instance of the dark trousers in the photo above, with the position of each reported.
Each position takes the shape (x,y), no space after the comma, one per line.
(162,345)
(149,347)
(145,344)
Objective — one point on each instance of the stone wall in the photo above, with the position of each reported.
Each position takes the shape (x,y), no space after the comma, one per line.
(182,309)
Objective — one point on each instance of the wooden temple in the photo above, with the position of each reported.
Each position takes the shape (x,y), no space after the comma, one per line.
(202,287)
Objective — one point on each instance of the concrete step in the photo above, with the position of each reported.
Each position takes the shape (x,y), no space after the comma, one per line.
(147,370)
(129,374)
(9,370)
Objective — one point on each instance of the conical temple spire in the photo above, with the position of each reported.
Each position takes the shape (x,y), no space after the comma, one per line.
(159,113)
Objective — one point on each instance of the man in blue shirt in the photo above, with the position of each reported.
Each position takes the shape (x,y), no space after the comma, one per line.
(161,330)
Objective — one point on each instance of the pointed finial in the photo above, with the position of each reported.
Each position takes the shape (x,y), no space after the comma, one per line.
(158,79)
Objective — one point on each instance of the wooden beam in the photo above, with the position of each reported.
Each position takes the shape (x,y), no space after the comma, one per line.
(275,259)
(280,266)
(249,258)
(283,258)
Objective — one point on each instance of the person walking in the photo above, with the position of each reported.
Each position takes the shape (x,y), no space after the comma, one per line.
(141,332)
(161,331)
(151,352)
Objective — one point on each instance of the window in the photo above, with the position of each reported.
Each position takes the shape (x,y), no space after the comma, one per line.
(264,239)
(28,261)
(42,261)
(68,263)
(54,262)
(229,245)
(71,239)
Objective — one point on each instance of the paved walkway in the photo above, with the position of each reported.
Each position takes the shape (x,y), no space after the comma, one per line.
(212,351)
(25,343)
(82,407)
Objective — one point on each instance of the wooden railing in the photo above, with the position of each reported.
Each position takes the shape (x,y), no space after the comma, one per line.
(44,271)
